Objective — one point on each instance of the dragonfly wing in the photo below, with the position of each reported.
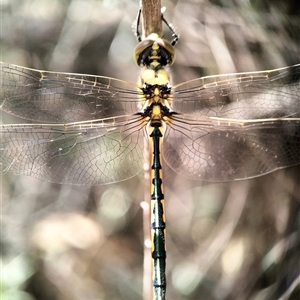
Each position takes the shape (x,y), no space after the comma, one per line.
(254,95)
(62,97)
(214,149)
(83,154)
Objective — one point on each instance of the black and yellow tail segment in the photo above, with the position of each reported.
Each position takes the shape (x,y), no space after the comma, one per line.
(158,225)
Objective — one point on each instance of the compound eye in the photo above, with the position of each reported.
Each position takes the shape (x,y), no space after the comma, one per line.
(169,49)
(140,48)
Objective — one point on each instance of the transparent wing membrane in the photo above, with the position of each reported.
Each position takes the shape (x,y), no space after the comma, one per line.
(83,154)
(62,97)
(227,127)
(254,95)
(223,150)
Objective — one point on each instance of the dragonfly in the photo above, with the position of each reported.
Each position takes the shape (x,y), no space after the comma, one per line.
(90,130)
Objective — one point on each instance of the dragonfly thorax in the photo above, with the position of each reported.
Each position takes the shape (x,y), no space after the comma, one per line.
(156,106)
(154,77)
(156,92)
(156,112)
(155,85)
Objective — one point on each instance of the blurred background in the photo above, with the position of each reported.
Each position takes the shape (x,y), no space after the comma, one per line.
(237,240)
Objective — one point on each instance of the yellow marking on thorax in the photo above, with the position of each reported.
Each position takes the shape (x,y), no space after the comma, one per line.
(156,111)
(154,77)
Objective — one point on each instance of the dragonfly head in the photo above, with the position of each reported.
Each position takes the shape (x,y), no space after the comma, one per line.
(154,52)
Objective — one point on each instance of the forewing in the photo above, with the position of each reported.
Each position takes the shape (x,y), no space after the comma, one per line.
(62,97)
(244,96)
(84,154)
